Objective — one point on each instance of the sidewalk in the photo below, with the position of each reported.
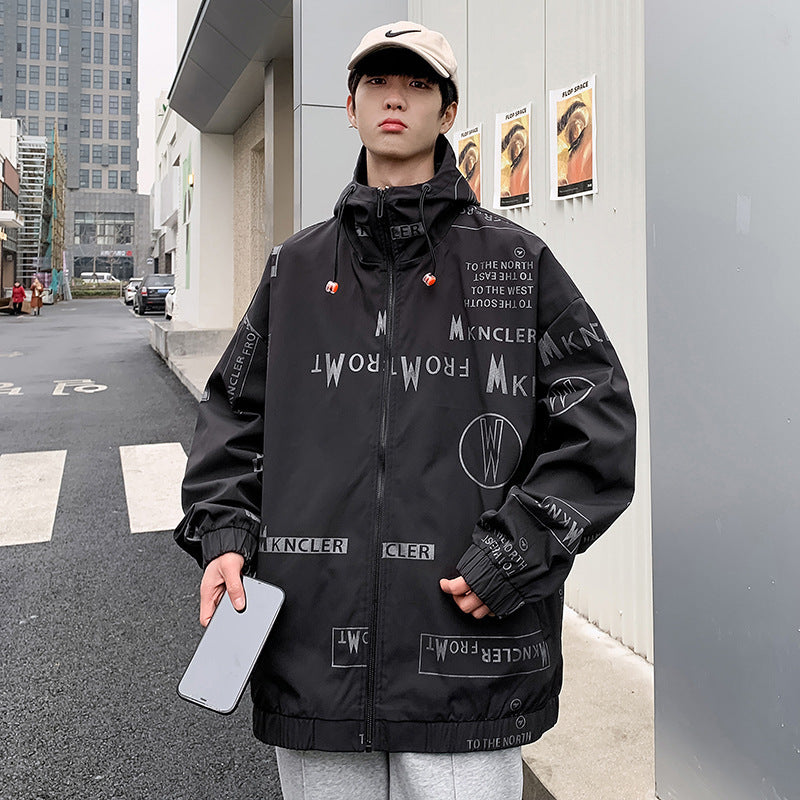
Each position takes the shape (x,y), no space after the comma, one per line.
(602,746)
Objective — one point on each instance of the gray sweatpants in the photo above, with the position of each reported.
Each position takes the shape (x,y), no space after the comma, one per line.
(314,775)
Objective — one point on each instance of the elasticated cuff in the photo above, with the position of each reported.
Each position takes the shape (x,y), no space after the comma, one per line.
(488,582)
(228,540)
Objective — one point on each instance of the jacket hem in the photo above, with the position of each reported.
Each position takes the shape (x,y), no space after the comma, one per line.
(295,733)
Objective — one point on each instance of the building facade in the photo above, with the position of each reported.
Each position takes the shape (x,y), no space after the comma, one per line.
(70,66)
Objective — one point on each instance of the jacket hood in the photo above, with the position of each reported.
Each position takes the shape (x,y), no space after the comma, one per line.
(395,223)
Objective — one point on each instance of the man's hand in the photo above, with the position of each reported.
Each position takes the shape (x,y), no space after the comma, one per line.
(468,602)
(224,572)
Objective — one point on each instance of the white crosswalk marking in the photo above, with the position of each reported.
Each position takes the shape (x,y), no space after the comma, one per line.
(29,488)
(153,475)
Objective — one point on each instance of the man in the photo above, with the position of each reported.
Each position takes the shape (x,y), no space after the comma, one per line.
(415,456)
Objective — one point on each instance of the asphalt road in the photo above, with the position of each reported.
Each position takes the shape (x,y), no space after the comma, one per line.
(98,623)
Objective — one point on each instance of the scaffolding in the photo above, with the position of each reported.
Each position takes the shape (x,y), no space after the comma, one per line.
(32,176)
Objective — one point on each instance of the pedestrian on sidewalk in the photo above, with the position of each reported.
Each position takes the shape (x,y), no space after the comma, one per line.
(17,297)
(37,290)
(442,427)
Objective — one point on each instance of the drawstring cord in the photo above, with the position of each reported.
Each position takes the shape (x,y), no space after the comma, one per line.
(430,277)
(333,286)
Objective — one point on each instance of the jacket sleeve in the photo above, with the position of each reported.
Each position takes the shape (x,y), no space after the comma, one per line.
(583,454)
(221,490)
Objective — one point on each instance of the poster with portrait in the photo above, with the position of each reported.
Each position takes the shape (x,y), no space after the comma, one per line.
(468,154)
(573,115)
(512,159)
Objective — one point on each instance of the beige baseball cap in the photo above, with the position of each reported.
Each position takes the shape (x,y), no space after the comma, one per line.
(429,45)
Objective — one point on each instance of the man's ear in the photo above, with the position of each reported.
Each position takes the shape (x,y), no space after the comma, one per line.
(448,118)
(351,111)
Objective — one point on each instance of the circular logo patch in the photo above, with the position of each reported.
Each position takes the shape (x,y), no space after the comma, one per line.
(490,450)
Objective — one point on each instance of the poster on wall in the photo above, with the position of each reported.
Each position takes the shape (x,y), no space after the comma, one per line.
(512,159)
(573,112)
(468,153)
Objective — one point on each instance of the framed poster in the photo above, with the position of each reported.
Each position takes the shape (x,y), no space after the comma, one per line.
(512,179)
(468,155)
(573,115)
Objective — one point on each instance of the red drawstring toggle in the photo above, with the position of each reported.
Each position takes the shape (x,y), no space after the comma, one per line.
(332,287)
(429,279)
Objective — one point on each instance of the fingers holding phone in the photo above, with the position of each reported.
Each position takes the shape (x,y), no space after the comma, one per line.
(221,574)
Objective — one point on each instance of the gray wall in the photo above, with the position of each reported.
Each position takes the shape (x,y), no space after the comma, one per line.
(723,282)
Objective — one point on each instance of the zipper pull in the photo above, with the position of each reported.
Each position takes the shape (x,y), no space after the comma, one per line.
(381,194)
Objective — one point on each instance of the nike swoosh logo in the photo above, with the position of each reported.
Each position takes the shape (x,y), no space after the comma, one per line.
(392,34)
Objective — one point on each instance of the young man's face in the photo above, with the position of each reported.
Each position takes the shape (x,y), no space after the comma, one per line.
(399,117)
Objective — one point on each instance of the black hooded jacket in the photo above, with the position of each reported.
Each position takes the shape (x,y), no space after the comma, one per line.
(357,447)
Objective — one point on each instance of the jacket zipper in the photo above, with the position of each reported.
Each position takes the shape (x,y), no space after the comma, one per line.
(380,484)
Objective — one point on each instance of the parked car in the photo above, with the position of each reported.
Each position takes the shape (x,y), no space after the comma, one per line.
(151,292)
(99,277)
(169,303)
(130,290)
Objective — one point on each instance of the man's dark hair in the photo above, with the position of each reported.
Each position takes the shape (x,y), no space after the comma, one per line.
(400,61)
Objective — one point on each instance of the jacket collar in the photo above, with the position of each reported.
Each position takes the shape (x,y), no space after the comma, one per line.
(386,225)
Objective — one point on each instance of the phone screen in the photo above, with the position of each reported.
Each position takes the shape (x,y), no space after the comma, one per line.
(222,663)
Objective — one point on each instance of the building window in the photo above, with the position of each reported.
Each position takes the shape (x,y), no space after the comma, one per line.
(62,126)
(127,44)
(86,103)
(83,178)
(97,154)
(125,154)
(112,154)
(113,104)
(113,79)
(103,227)
(98,48)
(22,73)
(50,76)
(63,44)
(21,98)
(22,41)
(33,75)
(35,41)
(86,47)
(63,101)
(50,45)
(97,104)
(113,48)
(127,15)
(64,9)
(49,126)
(98,13)
(97,79)
(97,179)
(22,9)
(125,130)
(113,129)
(52,15)
(86,78)
(113,182)
(49,101)
(33,126)
(36,11)
(97,129)
(125,179)
(84,149)
(86,13)
(126,105)
(113,12)
(84,128)
(126,80)
(33,100)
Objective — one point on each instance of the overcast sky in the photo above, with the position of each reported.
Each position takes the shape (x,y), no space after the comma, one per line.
(158,61)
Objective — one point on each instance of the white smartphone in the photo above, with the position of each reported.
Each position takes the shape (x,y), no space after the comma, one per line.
(221,665)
